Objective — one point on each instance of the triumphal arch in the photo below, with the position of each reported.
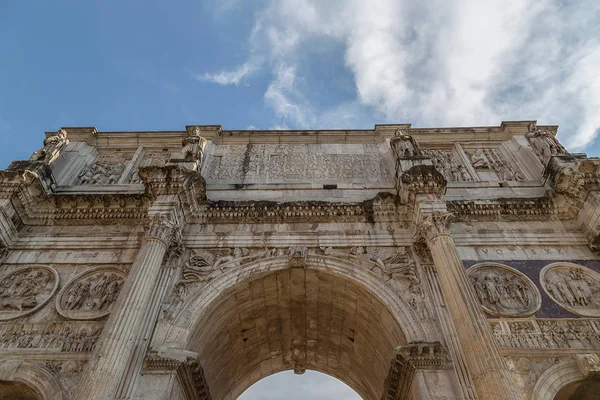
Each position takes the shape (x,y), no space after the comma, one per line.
(410,263)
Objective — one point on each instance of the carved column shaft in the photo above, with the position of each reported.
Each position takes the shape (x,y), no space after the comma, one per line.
(116,347)
(485,365)
(449,330)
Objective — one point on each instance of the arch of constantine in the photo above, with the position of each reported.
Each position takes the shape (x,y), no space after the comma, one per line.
(410,263)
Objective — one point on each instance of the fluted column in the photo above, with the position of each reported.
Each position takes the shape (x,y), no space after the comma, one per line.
(114,352)
(485,365)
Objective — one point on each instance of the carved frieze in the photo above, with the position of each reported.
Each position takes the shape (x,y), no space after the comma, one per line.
(547,333)
(504,291)
(573,287)
(90,295)
(50,337)
(296,162)
(25,290)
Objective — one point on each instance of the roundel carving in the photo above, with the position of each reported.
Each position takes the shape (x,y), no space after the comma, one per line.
(504,291)
(90,295)
(573,287)
(25,290)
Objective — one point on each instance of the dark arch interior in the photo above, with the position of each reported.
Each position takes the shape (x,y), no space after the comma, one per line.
(583,390)
(296,319)
(16,391)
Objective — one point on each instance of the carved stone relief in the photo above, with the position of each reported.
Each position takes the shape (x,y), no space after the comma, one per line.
(203,266)
(305,162)
(527,370)
(492,160)
(48,337)
(504,291)
(90,295)
(547,333)
(447,163)
(573,287)
(106,170)
(53,144)
(25,290)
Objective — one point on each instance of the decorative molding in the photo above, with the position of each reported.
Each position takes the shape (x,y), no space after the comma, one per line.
(185,364)
(406,360)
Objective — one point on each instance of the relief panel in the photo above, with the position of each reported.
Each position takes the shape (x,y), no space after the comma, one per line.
(301,162)
(25,290)
(106,170)
(575,288)
(446,161)
(90,295)
(504,291)
(490,164)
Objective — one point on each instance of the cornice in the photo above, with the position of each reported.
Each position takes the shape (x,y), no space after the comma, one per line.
(381,208)
(218,135)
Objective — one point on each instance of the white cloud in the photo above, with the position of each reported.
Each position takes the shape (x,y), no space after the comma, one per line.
(456,62)
(233,77)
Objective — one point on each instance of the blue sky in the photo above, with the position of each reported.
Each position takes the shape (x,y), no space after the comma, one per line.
(298,64)
(136,65)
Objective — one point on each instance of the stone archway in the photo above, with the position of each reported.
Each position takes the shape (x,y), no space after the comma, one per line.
(30,380)
(330,315)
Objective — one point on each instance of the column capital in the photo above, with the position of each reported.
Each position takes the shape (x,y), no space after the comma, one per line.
(161,228)
(434,225)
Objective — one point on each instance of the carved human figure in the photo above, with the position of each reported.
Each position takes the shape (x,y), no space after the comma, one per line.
(502,291)
(53,144)
(479,160)
(405,146)
(544,142)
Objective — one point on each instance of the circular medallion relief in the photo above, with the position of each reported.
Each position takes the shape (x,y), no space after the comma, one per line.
(25,290)
(504,291)
(91,294)
(573,287)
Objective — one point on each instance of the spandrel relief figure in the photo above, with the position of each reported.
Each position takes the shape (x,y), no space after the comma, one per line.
(575,288)
(504,291)
(544,142)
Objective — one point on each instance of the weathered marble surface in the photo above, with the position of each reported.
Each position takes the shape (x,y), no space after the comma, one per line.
(450,263)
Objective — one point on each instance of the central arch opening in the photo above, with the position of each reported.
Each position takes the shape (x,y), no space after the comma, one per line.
(296,319)
(287,385)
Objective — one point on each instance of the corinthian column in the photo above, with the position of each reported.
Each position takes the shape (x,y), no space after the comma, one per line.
(490,375)
(117,345)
